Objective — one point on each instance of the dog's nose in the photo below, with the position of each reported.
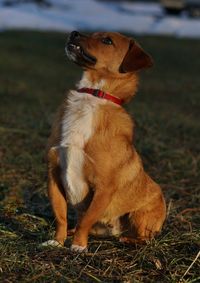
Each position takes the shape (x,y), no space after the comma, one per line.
(74,35)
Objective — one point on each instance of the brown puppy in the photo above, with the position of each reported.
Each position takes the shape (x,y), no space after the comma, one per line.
(92,163)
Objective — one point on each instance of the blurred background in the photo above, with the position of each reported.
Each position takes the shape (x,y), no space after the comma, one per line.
(170,17)
(35,74)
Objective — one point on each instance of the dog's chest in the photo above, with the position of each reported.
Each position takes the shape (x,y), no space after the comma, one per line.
(77,128)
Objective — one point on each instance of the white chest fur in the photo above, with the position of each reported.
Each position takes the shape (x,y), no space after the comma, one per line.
(77,128)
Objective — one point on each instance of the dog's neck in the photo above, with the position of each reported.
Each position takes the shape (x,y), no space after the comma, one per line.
(87,81)
(124,86)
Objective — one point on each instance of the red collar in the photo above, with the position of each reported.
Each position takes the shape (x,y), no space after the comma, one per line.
(101,94)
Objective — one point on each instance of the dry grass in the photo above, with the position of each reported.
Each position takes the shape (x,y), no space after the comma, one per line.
(34,77)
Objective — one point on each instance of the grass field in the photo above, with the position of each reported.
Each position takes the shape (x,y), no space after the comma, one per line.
(34,75)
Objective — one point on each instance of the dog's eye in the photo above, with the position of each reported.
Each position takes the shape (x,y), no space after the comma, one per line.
(107,40)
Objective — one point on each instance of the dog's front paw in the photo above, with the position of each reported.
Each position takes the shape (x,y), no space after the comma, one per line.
(51,243)
(79,249)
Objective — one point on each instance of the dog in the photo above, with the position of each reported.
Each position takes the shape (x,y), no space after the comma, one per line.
(92,163)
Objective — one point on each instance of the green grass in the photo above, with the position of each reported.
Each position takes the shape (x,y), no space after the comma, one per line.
(34,75)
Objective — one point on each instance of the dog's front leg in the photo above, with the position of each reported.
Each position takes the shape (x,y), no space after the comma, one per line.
(99,203)
(57,197)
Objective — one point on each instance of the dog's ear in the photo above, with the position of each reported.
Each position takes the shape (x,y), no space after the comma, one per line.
(135,59)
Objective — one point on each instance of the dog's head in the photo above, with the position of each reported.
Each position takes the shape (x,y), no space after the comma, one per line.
(108,51)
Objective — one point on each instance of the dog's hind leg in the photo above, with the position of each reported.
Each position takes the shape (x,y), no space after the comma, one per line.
(146,222)
(57,196)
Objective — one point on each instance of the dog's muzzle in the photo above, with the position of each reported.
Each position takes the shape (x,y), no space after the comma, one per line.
(76,51)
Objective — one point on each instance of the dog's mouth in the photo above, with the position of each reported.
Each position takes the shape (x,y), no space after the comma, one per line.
(78,54)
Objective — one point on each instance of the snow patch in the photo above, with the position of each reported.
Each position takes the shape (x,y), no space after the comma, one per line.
(92,15)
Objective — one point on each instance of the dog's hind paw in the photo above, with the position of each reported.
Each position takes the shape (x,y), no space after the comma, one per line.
(78,249)
(51,243)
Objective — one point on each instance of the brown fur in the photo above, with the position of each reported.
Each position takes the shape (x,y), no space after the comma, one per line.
(119,194)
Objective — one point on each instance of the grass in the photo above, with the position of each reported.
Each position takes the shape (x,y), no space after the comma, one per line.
(34,77)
